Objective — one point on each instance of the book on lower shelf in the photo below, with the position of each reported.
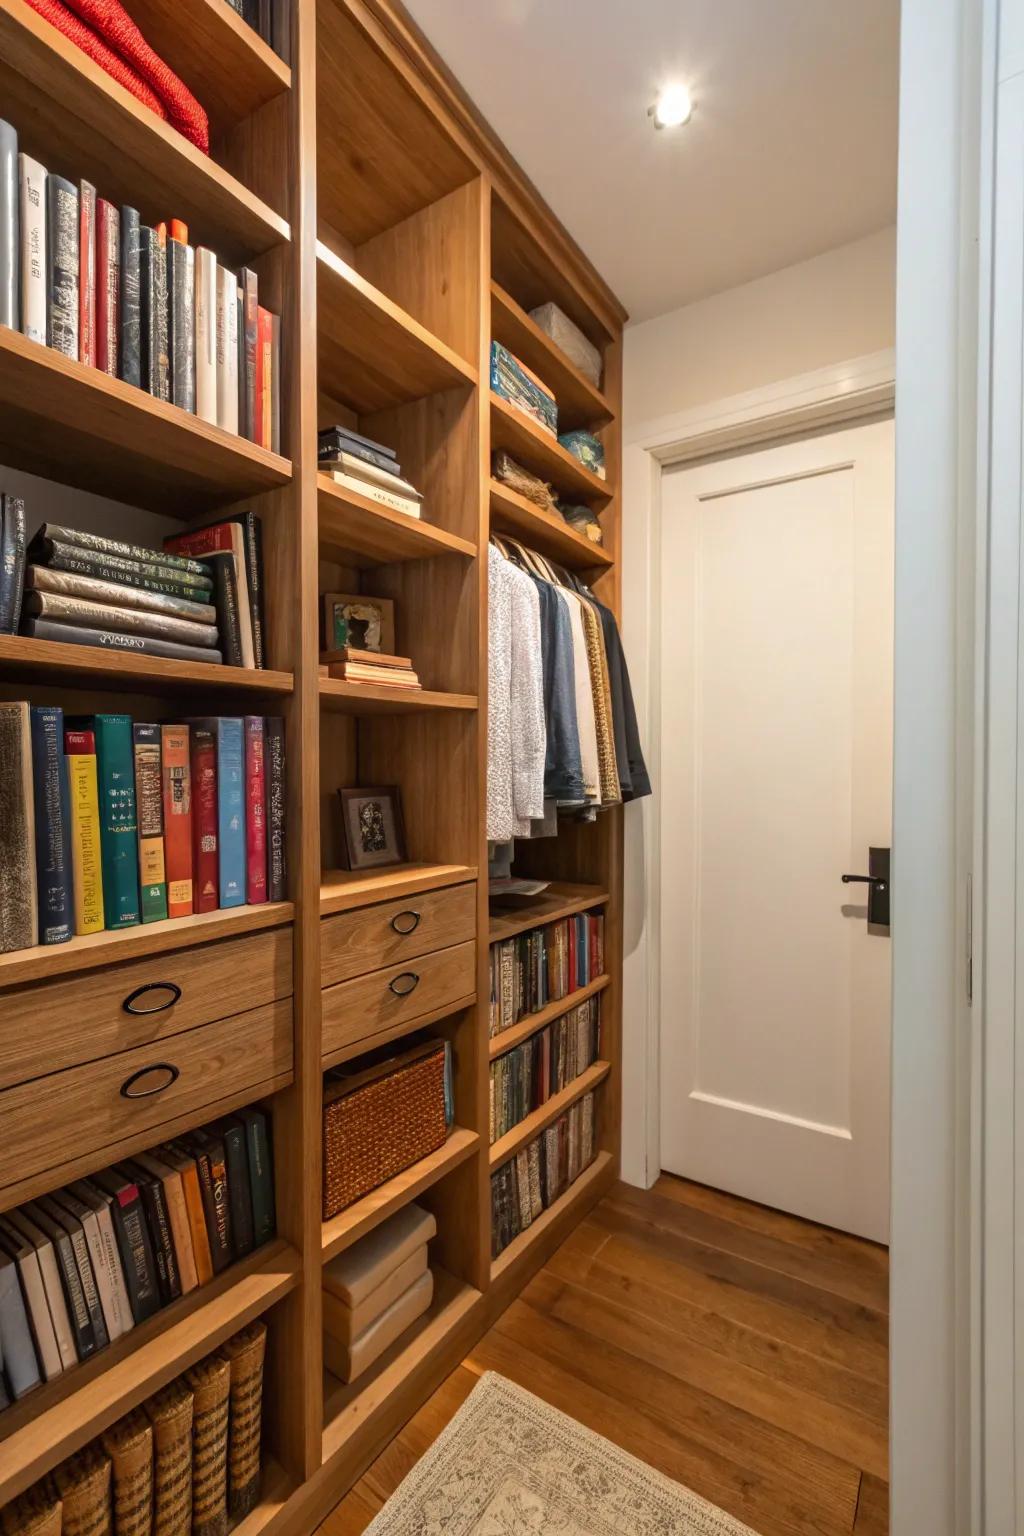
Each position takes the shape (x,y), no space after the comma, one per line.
(527,1076)
(541,1172)
(376,1290)
(543,965)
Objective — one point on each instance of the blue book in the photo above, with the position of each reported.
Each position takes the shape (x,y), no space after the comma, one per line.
(54,880)
(229,735)
(119,826)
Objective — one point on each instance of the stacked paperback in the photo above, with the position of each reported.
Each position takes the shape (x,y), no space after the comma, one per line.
(352,665)
(544,965)
(137,302)
(106,822)
(187,1460)
(371,468)
(375,1290)
(539,1173)
(514,382)
(84,1265)
(527,1076)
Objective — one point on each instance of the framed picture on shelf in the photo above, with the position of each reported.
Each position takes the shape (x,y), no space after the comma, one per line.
(365,623)
(374,833)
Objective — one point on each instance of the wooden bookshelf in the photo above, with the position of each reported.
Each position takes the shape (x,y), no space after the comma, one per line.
(544,531)
(342,890)
(559,900)
(376,699)
(529,1129)
(509,1038)
(356,1220)
(559,1217)
(85,666)
(356,531)
(580,403)
(538,451)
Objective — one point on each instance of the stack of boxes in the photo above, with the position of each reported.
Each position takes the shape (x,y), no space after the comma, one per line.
(376,1290)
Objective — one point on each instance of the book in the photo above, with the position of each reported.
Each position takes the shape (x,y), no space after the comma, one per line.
(62,265)
(108,285)
(152,575)
(87,273)
(177,796)
(86,1217)
(181,326)
(275,383)
(18,1248)
(282,31)
(228,732)
(377,493)
(274,753)
(10,242)
(138,1265)
(332,440)
(252,531)
(160,361)
(52,820)
(32,208)
(255,810)
(21,1367)
(208,1150)
(49,1271)
(112,640)
(248,339)
(236,1160)
(353,653)
(225,597)
(358,467)
(12,562)
(154,1207)
(44,578)
(261,1174)
(100,1202)
(182,566)
(227,350)
(156,1167)
(80,1248)
(378,677)
(132,621)
(206,310)
(263,377)
(70,1279)
(226,537)
(19,913)
(115,775)
(131,297)
(176,1156)
(205,849)
(149,803)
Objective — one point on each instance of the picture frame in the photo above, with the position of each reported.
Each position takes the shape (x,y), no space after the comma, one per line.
(360,620)
(373,831)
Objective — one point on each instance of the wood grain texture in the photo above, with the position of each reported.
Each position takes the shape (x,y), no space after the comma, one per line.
(561,899)
(367,1006)
(580,403)
(509,1038)
(527,1130)
(360,532)
(369,699)
(395,932)
(76,666)
(538,451)
(344,890)
(547,532)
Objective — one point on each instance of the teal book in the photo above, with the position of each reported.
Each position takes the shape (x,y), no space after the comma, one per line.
(231,837)
(119,827)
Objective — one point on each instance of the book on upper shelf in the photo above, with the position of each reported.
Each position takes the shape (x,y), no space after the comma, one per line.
(361,464)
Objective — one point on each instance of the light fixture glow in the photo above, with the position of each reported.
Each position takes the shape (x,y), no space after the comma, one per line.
(672,108)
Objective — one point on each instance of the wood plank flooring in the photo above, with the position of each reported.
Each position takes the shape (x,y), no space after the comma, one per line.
(740,1351)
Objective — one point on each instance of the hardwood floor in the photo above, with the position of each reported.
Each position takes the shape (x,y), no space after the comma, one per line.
(742,1352)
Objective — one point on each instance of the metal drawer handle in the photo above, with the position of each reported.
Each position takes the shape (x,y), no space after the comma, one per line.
(410,978)
(170,987)
(128,1090)
(397,925)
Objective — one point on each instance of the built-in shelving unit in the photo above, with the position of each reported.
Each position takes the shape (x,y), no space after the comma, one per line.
(533,1023)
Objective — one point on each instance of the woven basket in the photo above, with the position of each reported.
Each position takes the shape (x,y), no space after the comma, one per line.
(129,1444)
(170,1413)
(245,1354)
(34,1513)
(210,1381)
(379,1121)
(83,1484)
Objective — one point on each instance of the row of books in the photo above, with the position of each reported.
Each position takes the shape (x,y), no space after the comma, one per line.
(106,822)
(528,1183)
(81,1267)
(187,1460)
(362,464)
(527,1076)
(138,302)
(544,965)
(531,397)
(271,19)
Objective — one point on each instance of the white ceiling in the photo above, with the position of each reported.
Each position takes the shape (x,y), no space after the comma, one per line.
(791,148)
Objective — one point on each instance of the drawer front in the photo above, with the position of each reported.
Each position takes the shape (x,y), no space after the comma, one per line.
(55,1025)
(91,1108)
(353,943)
(383,1000)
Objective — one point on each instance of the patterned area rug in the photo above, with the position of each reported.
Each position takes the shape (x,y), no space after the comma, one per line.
(508,1465)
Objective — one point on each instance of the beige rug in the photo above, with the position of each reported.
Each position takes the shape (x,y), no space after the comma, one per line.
(508,1465)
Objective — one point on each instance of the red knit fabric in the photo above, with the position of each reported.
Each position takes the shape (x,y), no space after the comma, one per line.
(58,15)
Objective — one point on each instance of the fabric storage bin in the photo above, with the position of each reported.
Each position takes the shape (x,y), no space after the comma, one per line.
(568,338)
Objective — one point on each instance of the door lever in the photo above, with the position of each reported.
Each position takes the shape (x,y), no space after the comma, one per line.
(877,882)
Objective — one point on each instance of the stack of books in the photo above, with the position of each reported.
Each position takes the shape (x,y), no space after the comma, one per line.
(376,1290)
(520,386)
(136,301)
(84,1265)
(383,671)
(544,965)
(527,1076)
(232,550)
(371,468)
(107,822)
(539,1173)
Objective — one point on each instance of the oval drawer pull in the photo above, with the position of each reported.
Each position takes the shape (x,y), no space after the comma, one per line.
(130,1090)
(170,987)
(411,981)
(401,924)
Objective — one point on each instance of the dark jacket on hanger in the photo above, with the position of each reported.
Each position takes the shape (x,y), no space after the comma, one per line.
(634,780)
(563,765)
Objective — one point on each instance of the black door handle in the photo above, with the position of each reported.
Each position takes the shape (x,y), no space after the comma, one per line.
(877,881)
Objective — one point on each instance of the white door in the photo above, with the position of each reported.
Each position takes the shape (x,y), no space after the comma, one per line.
(777,617)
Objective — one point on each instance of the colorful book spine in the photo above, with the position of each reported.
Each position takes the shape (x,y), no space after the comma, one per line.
(54,879)
(32,221)
(255,810)
(275,819)
(161,367)
(231,810)
(248,345)
(150,809)
(264,372)
(131,297)
(205,852)
(19,916)
(115,771)
(86,856)
(108,285)
(87,273)
(177,791)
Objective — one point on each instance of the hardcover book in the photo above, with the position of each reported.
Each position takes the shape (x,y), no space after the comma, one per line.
(90,1294)
(115,768)
(213,1183)
(230,809)
(131,297)
(248,341)
(86,1218)
(154,1207)
(49,1270)
(10,297)
(17,1247)
(12,562)
(21,1368)
(227,537)
(378,493)
(255,810)
(70,1279)
(170,1179)
(153,575)
(59,609)
(19,913)
(86,855)
(112,640)
(227,350)
(206,308)
(194,571)
(264,377)
(225,598)
(150,811)
(87,273)
(177,793)
(160,360)
(275,772)
(32,219)
(183,1162)
(252,564)
(62,265)
(205,851)
(236,1159)
(181,325)
(133,1241)
(52,819)
(261,1174)
(44,578)
(100,1202)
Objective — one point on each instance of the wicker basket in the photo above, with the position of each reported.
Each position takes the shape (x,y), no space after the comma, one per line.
(170,1413)
(129,1444)
(35,1513)
(83,1485)
(379,1121)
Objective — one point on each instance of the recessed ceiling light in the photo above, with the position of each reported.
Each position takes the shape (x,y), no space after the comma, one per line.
(672,108)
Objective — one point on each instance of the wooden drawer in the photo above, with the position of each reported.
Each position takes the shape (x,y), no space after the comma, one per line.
(383,1000)
(353,943)
(90,1109)
(54,1025)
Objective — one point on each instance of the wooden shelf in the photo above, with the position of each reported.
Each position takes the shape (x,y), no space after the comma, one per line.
(45,962)
(527,1130)
(276,1487)
(565,1210)
(57,1419)
(342,890)
(358,531)
(544,455)
(580,403)
(372,354)
(78,121)
(353,1223)
(508,1039)
(87,666)
(368,699)
(559,900)
(546,532)
(69,422)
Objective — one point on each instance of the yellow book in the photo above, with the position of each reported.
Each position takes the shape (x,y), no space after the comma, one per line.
(86,860)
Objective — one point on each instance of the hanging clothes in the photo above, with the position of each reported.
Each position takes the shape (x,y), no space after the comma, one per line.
(516,733)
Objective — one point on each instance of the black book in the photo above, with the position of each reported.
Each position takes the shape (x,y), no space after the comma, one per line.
(250,12)
(160,362)
(225,599)
(154,1206)
(181,323)
(335,440)
(133,1242)
(70,1279)
(247,342)
(261,1173)
(252,539)
(62,265)
(277,872)
(281,39)
(236,1158)
(21,1364)
(208,1151)
(265,21)
(90,1290)
(116,640)
(131,297)
(12,562)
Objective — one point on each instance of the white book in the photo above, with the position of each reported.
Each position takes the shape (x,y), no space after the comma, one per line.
(99,1203)
(31,1276)
(374,474)
(52,1286)
(206,334)
(376,493)
(32,217)
(98,1258)
(227,350)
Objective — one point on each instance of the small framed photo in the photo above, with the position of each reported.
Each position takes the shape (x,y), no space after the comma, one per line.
(366,623)
(374,833)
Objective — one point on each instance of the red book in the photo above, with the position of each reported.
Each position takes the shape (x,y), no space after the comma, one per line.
(177,796)
(87,273)
(205,864)
(264,369)
(255,810)
(108,285)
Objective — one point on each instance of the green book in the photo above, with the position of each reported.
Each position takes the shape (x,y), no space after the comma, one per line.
(119,828)
(149,801)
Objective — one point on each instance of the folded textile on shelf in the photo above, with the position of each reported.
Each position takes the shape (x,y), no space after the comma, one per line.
(505,469)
